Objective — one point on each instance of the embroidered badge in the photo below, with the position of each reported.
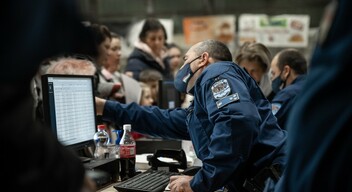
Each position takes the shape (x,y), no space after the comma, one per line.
(227,100)
(220,89)
(275,107)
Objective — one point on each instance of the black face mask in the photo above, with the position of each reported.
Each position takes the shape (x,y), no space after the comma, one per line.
(276,84)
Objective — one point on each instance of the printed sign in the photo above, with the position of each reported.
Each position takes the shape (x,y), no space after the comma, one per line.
(220,27)
(274,31)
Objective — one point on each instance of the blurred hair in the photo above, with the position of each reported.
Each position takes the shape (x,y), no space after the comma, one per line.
(173,45)
(151,24)
(100,33)
(150,75)
(256,52)
(115,35)
(71,66)
(294,59)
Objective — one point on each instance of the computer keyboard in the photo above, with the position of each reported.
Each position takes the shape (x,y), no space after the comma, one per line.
(149,181)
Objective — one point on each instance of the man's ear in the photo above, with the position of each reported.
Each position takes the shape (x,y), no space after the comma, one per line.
(205,60)
(286,69)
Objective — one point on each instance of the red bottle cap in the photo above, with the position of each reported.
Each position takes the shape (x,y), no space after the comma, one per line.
(101,127)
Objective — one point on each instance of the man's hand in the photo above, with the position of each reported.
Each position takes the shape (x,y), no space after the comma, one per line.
(99,104)
(180,183)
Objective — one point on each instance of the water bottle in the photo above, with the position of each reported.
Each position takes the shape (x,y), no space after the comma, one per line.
(127,154)
(114,148)
(101,138)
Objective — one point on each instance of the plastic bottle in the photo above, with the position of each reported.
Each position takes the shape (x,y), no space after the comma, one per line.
(127,153)
(114,151)
(101,138)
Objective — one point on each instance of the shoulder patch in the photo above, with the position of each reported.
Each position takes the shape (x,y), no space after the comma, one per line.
(229,99)
(220,89)
(275,107)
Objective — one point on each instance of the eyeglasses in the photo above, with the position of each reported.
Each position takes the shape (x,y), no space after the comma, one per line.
(195,59)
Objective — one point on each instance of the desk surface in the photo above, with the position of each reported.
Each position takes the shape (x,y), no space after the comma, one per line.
(109,188)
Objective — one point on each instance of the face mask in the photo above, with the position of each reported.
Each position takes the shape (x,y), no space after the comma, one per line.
(183,76)
(276,84)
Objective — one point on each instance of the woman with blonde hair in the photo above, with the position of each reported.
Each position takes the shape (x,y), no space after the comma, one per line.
(256,58)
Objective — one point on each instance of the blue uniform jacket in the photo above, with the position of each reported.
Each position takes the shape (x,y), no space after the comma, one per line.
(230,123)
(285,99)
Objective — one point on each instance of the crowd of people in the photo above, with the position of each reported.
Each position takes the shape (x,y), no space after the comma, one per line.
(252,116)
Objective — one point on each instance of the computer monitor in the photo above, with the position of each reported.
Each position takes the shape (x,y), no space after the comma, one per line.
(169,97)
(69,109)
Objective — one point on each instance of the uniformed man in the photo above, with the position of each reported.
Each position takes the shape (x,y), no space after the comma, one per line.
(288,73)
(230,123)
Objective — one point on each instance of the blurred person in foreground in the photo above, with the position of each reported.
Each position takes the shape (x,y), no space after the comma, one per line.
(319,126)
(230,123)
(41,29)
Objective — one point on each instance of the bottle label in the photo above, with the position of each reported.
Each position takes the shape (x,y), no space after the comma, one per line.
(127,151)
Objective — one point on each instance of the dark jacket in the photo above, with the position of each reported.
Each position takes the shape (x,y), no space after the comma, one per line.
(320,134)
(284,100)
(139,61)
(33,159)
(230,124)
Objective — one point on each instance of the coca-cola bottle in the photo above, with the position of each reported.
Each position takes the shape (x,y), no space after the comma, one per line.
(127,154)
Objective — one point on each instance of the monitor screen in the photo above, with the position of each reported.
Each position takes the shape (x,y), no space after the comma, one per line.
(69,108)
(169,97)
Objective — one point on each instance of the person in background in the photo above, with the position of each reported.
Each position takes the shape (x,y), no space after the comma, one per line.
(70,66)
(112,64)
(256,58)
(150,51)
(288,73)
(151,78)
(34,159)
(320,138)
(130,90)
(36,87)
(102,39)
(174,54)
(230,123)
(175,59)
(146,100)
